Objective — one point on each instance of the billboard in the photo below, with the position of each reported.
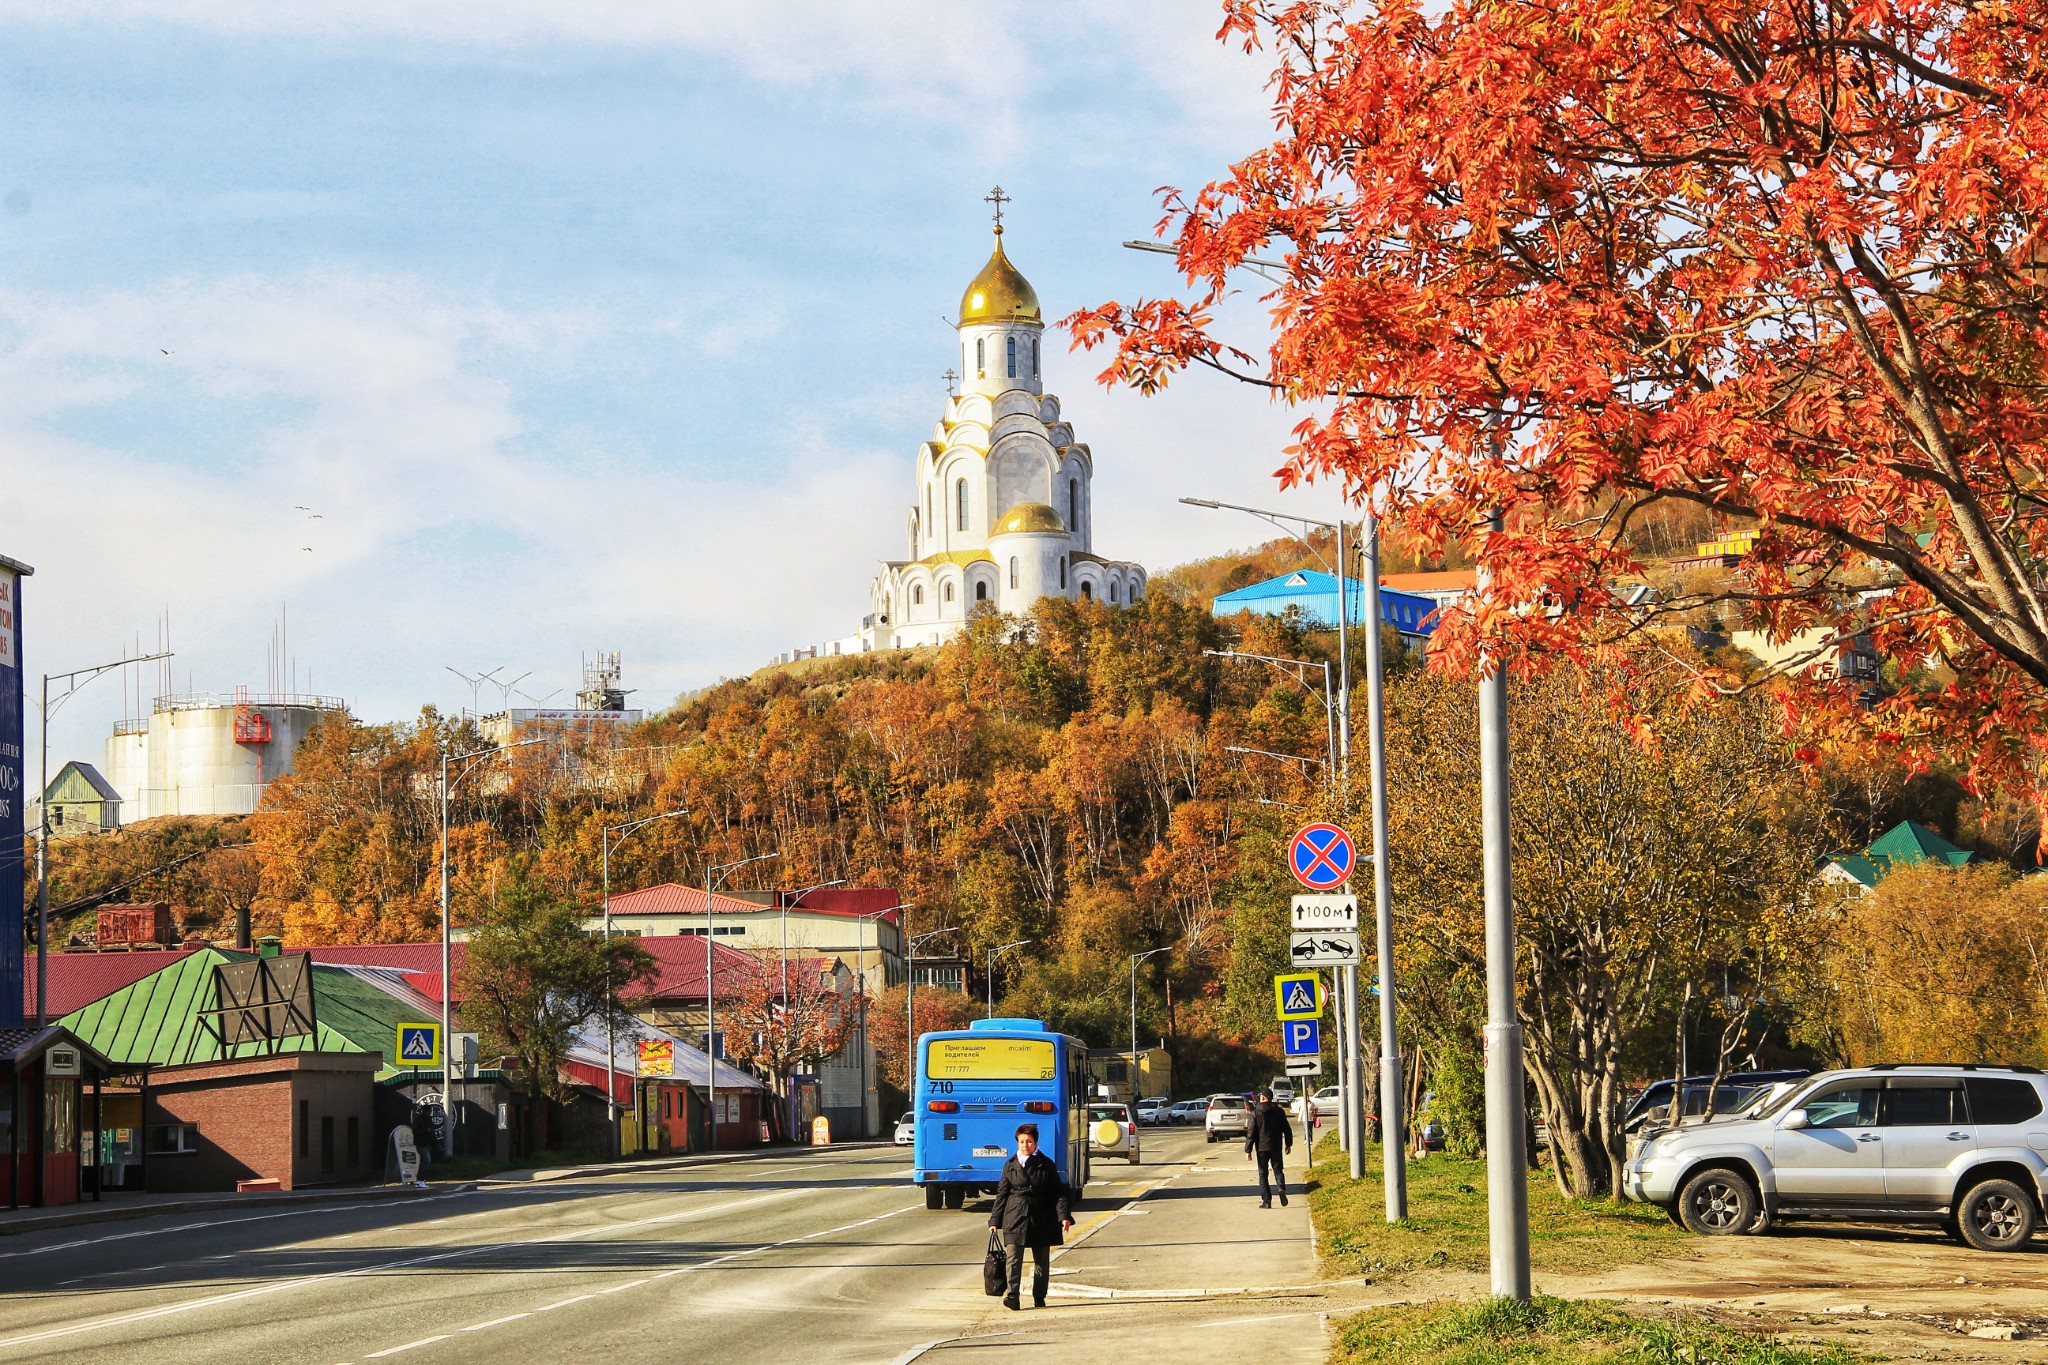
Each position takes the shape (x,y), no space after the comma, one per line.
(13,792)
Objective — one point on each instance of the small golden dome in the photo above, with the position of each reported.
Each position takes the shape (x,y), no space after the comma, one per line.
(1030,516)
(999,293)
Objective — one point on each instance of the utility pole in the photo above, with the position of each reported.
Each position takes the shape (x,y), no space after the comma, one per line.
(1392,1128)
(714,877)
(1136,958)
(993,954)
(1507,1176)
(611,1046)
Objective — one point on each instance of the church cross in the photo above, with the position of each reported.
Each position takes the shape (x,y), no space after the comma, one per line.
(949,377)
(998,198)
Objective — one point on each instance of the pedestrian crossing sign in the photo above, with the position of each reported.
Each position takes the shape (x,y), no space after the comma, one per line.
(419,1045)
(1297,996)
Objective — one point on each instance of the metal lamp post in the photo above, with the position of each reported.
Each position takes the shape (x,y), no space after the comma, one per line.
(993,954)
(471,759)
(714,876)
(784,900)
(611,1046)
(910,1000)
(1394,1151)
(861,955)
(72,681)
(1136,958)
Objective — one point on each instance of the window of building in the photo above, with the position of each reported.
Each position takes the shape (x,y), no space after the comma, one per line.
(960,503)
(1063,571)
(917,596)
(981,592)
(1013,571)
(355,1141)
(1034,355)
(1112,592)
(1074,505)
(173,1139)
(305,1128)
(949,592)
(1086,594)
(327,1144)
(1012,357)
(980,356)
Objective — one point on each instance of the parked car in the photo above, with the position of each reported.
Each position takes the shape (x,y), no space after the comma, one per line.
(1327,1101)
(1283,1090)
(1187,1112)
(1226,1116)
(906,1130)
(1152,1112)
(1738,1091)
(1112,1131)
(1965,1147)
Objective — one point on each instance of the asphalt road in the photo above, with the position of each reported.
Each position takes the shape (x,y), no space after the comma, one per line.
(826,1256)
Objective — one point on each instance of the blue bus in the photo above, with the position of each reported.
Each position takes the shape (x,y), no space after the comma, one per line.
(975,1085)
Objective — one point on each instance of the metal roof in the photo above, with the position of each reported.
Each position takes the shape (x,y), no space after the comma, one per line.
(78,979)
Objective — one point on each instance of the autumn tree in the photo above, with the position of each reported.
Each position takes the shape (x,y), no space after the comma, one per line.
(1574,261)
(789,1015)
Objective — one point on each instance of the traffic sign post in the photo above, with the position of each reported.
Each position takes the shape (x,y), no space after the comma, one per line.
(1325,912)
(1304,1065)
(1324,950)
(1298,995)
(1321,857)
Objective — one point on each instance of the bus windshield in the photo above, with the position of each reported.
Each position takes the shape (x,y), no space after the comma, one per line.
(991,1059)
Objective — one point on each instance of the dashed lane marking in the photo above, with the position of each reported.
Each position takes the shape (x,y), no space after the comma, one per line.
(410,1345)
(224,1222)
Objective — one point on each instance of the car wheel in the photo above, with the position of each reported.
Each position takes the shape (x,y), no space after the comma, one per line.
(1997,1215)
(934,1197)
(1718,1202)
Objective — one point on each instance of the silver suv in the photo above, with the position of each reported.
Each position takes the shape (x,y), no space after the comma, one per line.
(1962,1146)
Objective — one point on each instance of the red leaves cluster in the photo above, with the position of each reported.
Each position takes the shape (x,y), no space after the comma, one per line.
(1560,258)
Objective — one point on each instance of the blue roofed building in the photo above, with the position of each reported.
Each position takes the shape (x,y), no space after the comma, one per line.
(1314,593)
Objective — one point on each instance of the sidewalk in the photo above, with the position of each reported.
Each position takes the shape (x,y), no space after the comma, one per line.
(114,1208)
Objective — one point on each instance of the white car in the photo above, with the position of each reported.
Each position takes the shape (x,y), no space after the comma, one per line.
(1226,1117)
(1327,1101)
(906,1130)
(1187,1111)
(1152,1112)
(1112,1131)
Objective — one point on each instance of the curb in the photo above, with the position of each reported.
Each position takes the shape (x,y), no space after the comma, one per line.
(79,1217)
(547,1174)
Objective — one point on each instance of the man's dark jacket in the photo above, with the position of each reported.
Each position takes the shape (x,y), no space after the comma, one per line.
(1031,1202)
(1267,1129)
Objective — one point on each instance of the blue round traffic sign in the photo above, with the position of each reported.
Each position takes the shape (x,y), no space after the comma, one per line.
(1321,857)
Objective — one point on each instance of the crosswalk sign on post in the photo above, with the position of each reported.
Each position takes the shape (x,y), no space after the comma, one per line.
(419,1045)
(1297,996)
(1301,1036)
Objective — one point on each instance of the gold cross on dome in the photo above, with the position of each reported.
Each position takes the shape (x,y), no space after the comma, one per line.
(998,198)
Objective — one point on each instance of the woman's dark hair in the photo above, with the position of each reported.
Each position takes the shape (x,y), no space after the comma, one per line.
(1029,1130)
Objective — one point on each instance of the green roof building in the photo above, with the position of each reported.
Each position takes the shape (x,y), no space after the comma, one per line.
(1903,845)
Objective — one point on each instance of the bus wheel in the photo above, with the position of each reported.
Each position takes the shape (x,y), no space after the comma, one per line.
(956,1197)
(934,1196)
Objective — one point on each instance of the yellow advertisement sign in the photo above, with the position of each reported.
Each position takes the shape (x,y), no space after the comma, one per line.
(990,1059)
(657,1058)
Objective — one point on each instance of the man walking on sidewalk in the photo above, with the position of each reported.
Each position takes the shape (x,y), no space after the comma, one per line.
(1268,1135)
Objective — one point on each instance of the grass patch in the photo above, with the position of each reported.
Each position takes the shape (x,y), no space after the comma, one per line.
(1446,1223)
(1547,1331)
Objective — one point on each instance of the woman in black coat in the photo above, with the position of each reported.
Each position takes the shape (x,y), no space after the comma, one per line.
(1030,1211)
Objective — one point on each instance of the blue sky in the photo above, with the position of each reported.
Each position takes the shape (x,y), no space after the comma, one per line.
(609,325)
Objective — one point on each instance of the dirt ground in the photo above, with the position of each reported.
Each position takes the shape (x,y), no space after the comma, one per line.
(1903,1293)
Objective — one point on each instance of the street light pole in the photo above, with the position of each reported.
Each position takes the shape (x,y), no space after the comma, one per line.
(452,1114)
(783,900)
(1136,958)
(72,681)
(1392,1127)
(861,951)
(714,876)
(611,1045)
(910,1001)
(993,954)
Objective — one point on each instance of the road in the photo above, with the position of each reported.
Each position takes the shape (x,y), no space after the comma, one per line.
(805,1256)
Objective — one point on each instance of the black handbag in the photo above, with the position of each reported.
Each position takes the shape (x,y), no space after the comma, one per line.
(995,1268)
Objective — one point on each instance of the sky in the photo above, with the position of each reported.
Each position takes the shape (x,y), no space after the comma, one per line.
(487,334)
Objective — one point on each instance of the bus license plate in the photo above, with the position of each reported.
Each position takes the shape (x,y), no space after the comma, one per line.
(991,1151)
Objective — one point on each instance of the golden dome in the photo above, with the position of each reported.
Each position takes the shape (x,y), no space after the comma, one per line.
(1030,516)
(999,293)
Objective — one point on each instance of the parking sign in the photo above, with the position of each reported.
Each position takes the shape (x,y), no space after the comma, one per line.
(1302,1036)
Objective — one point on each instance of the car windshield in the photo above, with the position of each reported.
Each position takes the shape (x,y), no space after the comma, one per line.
(1779,1098)
(1227,1102)
(908,1118)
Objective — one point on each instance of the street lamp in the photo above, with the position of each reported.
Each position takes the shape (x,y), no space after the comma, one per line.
(910,1001)
(784,900)
(452,1113)
(1136,958)
(861,950)
(1394,1152)
(1290,666)
(714,876)
(72,681)
(611,1060)
(993,954)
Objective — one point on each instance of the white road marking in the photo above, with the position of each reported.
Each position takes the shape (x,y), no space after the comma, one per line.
(423,1341)
(496,1322)
(218,1222)
(565,1303)
(278,1286)
(630,1284)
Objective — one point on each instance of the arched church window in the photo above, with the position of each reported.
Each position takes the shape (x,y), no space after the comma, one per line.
(1034,355)
(1012,348)
(980,356)
(949,592)
(981,592)
(1063,571)
(917,596)
(1074,505)
(1013,571)
(960,502)
(1086,595)
(1112,592)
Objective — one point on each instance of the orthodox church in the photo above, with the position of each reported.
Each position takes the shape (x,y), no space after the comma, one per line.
(1004,513)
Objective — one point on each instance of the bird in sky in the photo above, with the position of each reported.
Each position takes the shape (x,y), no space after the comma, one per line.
(307,548)
(314,516)
(300,507)
(165,352)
